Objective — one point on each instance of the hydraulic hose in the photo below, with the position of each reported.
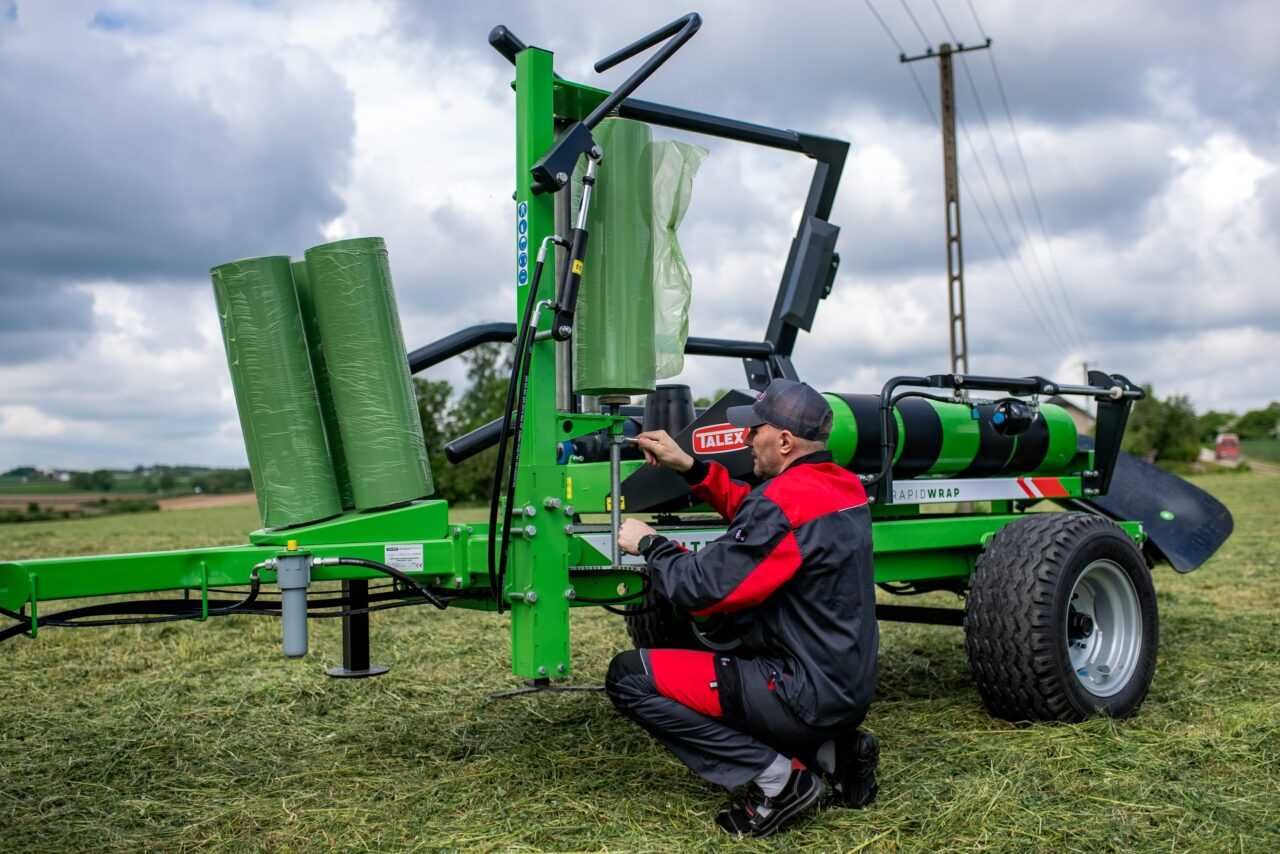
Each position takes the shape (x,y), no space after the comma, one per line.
(515,394)
(388,570)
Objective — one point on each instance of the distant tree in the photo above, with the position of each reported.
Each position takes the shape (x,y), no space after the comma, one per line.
(167,481)
(102,480)
(433,411)
(1163,430)
(488,370)
(1211,423)
(1259,423)
(81,480)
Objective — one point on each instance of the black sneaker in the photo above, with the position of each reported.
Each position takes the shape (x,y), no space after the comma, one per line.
(854,780)
(760,816)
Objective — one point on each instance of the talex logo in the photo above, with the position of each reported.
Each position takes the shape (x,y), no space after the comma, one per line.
(718,439)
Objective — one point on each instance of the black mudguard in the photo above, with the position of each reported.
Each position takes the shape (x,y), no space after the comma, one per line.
(1186,525)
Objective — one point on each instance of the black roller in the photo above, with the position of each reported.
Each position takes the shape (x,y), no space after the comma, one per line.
(994,450)
(1031,449)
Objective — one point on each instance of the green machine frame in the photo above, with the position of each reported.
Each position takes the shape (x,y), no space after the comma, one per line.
(553,565)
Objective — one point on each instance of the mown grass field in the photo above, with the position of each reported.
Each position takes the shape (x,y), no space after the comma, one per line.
(194,736)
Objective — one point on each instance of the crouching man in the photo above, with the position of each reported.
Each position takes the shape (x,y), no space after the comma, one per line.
(776,720)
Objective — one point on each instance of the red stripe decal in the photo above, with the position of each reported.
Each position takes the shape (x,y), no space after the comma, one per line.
(768,575)
(688,677)
(1050,487)
(1022,484)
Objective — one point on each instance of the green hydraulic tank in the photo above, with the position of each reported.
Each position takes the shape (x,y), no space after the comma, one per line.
(931,438)
(613,336)
(280,417)
(302,284)
(364,355)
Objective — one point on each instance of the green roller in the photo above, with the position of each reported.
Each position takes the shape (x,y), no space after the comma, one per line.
(306,304)
(1062,439)
(377,412)
(933,439)
(613,335)
(960,438)
(280,416)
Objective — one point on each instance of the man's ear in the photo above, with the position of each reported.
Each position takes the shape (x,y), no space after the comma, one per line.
(786,442)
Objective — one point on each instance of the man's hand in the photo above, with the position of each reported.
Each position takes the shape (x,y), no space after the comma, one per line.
(630,533)
(661,450)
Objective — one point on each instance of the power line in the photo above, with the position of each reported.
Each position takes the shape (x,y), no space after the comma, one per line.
(1037,313)
(928,105)
(1071,326)
(911,15)
(1035,199)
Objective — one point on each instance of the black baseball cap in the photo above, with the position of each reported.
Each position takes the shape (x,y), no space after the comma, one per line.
(787,405)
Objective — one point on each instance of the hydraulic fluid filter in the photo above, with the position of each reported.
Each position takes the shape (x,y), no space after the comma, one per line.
(934,438)
(302,284)
(613,336)
(364,355)
(280,417)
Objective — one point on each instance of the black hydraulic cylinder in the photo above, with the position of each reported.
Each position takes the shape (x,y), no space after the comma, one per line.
(562,326)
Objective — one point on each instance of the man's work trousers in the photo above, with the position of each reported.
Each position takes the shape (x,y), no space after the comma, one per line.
(719,714)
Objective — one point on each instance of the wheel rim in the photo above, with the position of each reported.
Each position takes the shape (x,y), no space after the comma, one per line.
(1103,628)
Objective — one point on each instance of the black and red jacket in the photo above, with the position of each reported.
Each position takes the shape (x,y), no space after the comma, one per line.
(795,568)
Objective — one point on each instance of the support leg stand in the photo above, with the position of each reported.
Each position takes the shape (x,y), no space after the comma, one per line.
(355,637)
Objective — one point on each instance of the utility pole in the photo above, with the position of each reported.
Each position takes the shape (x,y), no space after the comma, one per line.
(955,247)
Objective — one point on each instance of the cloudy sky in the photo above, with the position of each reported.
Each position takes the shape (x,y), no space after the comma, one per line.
(143,142)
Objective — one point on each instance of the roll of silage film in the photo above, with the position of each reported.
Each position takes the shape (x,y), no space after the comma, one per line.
(613,334)
(350,287)
(306,304)
(275,392)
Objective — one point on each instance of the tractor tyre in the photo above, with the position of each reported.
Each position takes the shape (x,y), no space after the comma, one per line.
(1061,621)
(657,625)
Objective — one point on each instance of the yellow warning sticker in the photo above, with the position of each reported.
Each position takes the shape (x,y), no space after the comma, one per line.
(568,488)
(577,267)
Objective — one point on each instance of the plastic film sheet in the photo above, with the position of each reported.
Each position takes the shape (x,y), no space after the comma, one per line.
(674,166)
(369,378)
(613,335)
(275,392)
(306,304)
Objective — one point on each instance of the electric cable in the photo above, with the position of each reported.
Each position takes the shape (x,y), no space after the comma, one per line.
(1031,187)
(1070,325)
(1035,312)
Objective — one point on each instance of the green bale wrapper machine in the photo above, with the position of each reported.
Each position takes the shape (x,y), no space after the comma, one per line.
(1060,612)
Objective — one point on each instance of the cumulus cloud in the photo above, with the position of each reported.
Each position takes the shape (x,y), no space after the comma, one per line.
(147,141)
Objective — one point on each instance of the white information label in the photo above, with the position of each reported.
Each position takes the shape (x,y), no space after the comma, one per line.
(404,557)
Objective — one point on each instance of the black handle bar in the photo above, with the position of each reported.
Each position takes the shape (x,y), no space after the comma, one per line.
(678,31)
(552,172)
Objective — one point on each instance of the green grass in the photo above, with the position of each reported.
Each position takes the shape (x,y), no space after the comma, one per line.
(191,736)
(10,486)
(1267,450)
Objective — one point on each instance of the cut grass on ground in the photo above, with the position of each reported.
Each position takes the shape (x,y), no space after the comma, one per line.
(185,736)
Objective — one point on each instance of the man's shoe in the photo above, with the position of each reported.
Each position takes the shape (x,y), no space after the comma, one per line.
(760,815)
(854,780)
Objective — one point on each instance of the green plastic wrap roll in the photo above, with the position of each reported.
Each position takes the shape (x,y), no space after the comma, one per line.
(302,284)
(613,336)
(275,393)
(355,306)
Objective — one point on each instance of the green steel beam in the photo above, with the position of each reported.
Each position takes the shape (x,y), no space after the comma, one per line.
(539,570)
